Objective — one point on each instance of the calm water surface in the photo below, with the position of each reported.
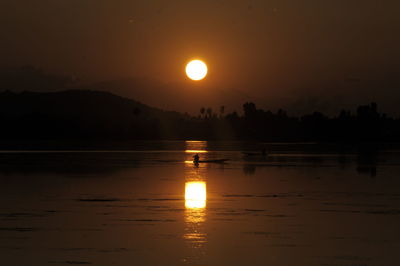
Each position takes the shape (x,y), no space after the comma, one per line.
(154,207)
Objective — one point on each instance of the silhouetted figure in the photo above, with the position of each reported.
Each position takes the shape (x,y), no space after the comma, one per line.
(196,158)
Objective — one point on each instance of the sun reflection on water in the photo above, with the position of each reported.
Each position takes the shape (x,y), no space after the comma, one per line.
(195,234)
(195,195)
(196,146)
(195,214)
(196,151)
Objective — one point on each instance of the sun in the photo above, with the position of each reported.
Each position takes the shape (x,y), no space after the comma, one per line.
(196,70)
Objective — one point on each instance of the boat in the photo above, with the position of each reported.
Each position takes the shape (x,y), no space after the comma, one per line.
(211,161)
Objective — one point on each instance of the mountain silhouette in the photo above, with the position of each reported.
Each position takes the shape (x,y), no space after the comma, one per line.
(89,115)
(81,114)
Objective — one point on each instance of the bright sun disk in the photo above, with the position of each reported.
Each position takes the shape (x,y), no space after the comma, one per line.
(196,70)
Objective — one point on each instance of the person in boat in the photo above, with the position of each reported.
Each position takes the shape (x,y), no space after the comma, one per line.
(196,158)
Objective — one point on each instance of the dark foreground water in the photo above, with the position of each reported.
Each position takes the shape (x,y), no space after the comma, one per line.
(298,206)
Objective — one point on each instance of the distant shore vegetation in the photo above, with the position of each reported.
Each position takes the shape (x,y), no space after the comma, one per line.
(95,115)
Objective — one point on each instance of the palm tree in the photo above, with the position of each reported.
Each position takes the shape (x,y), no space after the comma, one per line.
(222,111)
(202,111)
(209,112)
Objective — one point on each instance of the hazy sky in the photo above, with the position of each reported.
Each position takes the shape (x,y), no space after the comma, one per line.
(268,50)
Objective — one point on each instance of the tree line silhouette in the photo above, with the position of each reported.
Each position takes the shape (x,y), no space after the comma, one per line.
(366,124)
(94,115)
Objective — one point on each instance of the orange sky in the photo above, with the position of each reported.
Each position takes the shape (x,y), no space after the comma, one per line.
(265,49)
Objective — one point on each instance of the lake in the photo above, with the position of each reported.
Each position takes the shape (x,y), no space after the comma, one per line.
(303,204)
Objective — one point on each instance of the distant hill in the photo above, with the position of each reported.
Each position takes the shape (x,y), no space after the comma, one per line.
(47,119)
(82,114)
(179,96)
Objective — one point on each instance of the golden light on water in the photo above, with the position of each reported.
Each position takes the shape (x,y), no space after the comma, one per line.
(195,214)
(196,70)
(195,195)
(195,151)
(196,146)
(195,200)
